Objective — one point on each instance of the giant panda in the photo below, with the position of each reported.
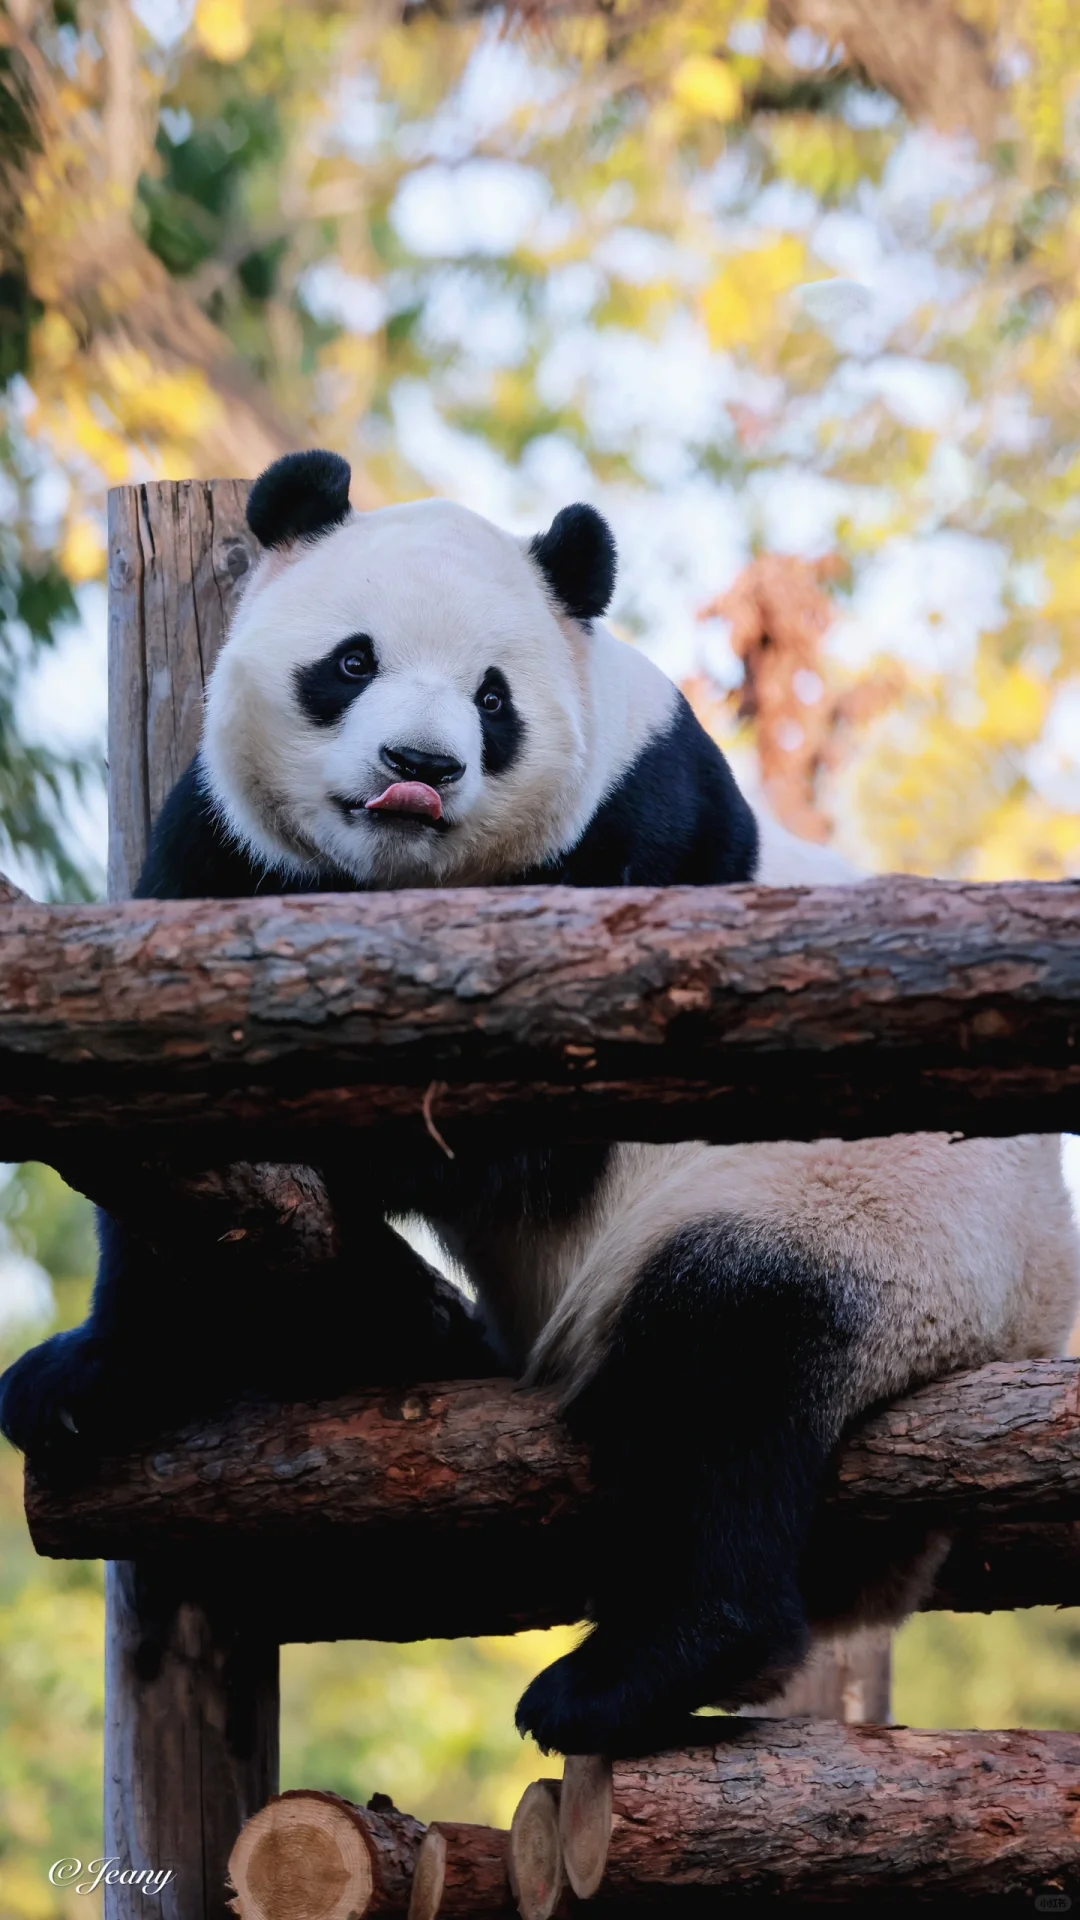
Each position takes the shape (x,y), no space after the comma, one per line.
(411,697)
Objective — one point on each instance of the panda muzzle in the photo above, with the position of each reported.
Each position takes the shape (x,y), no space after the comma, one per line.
(408,796)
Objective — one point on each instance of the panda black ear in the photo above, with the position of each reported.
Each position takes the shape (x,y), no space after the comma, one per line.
(577,558)
(300,495)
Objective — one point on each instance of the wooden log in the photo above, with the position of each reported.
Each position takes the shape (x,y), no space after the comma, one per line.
(585,1821)
(848,1678)
(816,1811)
(191,1741)
(501,1015)
(460,1454)
(10,894)
(191,1683)
(278,1215)
(179,554)
(314,1856)
(484,1480)
(535,1852)
(462,1873)
(1002,1565)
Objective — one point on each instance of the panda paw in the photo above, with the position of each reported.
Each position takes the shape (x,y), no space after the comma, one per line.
(56,1399)
(571,1708)
(607,1697)
(616,1696)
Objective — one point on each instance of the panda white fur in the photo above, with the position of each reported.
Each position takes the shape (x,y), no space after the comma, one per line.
(414,698)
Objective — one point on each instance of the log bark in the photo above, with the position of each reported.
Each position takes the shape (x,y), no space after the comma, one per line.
(308,1854)
(814,1811)
(179,555)
(191,1741)
(191,1681)
(483,1481)
(10,894)
(732,1013)
(462,1873)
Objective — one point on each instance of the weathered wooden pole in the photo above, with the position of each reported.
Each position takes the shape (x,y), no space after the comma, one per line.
(848,1679)
(191,1715)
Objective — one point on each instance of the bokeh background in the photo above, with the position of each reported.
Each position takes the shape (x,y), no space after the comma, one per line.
(790,290)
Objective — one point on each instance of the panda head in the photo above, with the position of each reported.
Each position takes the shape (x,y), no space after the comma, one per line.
(403,693)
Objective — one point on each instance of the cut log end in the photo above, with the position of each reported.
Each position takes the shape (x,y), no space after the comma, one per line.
(425,1898)
(302,1858)
(461,1874)
(585,1815)
(536,1869)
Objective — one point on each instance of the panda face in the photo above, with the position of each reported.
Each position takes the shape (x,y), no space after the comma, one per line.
(401,696)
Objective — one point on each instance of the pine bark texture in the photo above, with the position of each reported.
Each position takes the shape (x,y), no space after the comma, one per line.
(482,1481)
(191,1681)
(462,1873)
(728,1013)
(191,1740)
(816,1811)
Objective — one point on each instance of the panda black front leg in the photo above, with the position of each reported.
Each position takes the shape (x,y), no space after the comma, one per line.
(119,1373)
(173,1337)
(711,1422)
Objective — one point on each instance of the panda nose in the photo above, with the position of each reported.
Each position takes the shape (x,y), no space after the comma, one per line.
(412,763)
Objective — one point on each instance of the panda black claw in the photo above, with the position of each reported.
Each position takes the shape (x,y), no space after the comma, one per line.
(53,1399)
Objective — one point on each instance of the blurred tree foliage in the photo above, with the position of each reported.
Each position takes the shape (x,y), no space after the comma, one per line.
(236,226)
(229,227)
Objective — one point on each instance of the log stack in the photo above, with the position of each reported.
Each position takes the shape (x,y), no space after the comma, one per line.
(800,1811)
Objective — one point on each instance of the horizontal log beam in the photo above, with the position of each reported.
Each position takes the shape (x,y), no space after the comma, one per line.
(516,1014)
(817,1811)
(481,1482)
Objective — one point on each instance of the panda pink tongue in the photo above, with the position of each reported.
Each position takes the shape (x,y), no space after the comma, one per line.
(408,796)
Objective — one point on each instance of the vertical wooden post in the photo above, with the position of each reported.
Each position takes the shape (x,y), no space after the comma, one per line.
(844,1679)
(178,554)
(191,1714)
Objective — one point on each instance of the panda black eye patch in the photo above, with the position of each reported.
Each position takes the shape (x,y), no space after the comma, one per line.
(502,729)
(327,687)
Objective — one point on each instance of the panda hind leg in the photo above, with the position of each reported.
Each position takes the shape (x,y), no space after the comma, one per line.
(689,1629)
(710,1424)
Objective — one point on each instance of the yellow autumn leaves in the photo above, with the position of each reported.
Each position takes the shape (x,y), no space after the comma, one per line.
(708,87)
(223,29)
(741,305)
